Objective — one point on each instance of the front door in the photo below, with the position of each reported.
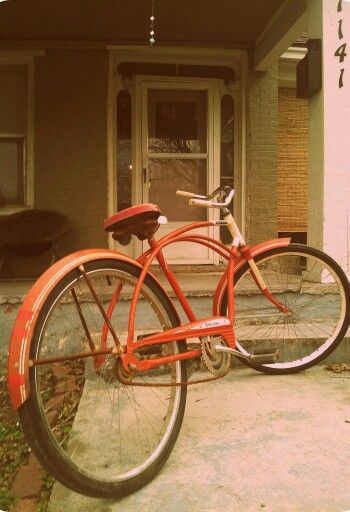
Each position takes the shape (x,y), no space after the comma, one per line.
(177,152)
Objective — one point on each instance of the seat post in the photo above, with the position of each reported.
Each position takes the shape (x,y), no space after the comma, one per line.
(152,242)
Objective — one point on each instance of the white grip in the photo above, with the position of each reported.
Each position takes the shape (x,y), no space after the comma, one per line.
(199,202)
(189,194)
(205,201)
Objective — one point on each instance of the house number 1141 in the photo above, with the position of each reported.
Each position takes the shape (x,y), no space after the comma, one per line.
(341,50)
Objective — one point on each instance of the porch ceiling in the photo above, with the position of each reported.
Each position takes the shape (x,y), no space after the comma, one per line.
(222,23)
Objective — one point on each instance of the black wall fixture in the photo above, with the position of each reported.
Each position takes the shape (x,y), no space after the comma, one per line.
(309,70)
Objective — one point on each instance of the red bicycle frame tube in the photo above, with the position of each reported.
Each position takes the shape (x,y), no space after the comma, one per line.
(213,326)
(21,338)
(240,261)
(146,259)
(235,262)
(156,252)
(28,313)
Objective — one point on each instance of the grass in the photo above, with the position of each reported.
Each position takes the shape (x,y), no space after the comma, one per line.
(14,449)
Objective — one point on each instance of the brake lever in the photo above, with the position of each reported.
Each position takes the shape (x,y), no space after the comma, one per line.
(213,204)
(215,193)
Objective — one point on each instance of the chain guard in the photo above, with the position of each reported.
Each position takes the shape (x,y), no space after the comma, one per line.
(218,363)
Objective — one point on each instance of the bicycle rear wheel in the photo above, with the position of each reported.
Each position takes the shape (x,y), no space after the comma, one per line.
(316,292)
(94,434)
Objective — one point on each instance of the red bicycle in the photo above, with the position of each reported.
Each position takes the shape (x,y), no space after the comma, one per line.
(98,354)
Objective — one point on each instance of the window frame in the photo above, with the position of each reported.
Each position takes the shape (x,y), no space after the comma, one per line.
(26,59)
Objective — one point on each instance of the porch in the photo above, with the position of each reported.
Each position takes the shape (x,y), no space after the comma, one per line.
(96,95)
(198,286)
(89,97)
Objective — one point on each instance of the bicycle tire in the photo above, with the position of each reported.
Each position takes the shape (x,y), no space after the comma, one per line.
(320,308)
(75,447)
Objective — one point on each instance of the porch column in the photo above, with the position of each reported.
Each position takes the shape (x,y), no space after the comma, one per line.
(329,133)
(262,155)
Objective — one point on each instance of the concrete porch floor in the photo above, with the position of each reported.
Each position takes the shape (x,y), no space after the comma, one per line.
(250,442)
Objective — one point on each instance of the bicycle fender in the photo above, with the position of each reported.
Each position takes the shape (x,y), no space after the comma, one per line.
(22,332)
(253,251)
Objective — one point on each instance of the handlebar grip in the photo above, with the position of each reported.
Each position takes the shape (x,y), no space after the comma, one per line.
(183,193)
(189,194)
(207,201)
(200,202)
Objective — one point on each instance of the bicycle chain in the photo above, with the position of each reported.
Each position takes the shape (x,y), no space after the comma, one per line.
(128,382)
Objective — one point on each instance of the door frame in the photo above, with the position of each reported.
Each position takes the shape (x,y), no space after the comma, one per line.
(142,85)
(237,59)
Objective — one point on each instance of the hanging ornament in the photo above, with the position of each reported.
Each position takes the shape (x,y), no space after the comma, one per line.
(151,27)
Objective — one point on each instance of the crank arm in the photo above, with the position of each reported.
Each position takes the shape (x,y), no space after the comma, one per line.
(262,358)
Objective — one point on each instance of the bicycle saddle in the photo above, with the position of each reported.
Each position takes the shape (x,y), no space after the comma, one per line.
(140,220)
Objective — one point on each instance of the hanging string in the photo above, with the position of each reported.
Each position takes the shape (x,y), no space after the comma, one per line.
(151,26)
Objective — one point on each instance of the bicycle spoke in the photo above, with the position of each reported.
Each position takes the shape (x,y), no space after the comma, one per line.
(106,429)
(314,296)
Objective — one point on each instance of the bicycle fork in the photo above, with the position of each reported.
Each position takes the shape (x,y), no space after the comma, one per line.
(238,243)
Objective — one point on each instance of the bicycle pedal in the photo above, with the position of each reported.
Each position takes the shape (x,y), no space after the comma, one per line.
(262,357)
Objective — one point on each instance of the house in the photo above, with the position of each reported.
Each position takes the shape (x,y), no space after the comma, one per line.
(94,117)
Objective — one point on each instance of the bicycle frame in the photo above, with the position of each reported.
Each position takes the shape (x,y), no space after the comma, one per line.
(216,325)
(19,361)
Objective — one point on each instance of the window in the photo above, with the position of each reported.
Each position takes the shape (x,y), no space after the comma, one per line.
(12,170)
(14,143)
(227,151)
(124,157)
(227,141)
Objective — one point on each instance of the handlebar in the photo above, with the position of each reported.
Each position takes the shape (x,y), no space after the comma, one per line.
(224,195)
(189,194)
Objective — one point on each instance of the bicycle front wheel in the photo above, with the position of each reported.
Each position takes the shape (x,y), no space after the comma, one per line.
(316,292)
(94,434)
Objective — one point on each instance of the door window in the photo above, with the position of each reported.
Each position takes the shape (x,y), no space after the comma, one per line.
(177,150)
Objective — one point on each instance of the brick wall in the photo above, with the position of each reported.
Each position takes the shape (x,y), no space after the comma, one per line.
(262,155)
(70,141)
(292,161)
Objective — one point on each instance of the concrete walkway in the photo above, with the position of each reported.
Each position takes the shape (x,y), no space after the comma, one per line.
(249,443)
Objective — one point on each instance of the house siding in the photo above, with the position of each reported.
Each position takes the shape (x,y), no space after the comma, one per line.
(292,161)
(71,141)
(261,207)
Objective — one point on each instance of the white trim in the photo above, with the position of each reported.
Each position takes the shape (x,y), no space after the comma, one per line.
(210,56)
(294,53)
(111,150)
(12,135)
(288,22)
(236,59)
(287,66)
(183,83)
(24,58)
(183,156)
(216,163)
(287,76)
(240,212)
(271,22)
(19,57)
(29,168)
